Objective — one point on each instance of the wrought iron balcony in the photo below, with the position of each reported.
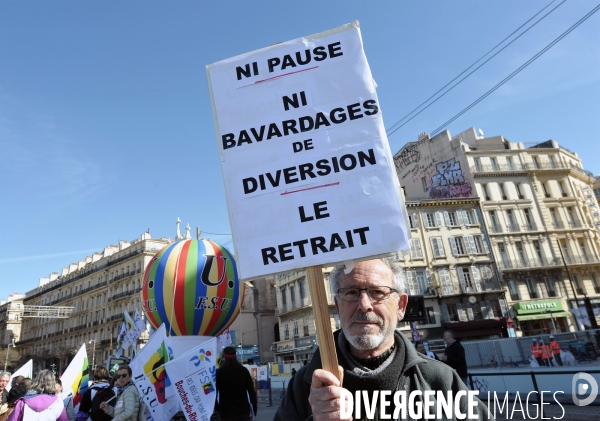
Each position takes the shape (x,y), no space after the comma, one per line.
(528,263)
(514,228)
(496,228)
(530,226)
(581,260)
(558,225)
(575,224)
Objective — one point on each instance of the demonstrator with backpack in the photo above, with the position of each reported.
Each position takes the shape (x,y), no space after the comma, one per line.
(100,391)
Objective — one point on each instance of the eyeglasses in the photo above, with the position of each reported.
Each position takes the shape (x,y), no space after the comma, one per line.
(376,294)
(122,376)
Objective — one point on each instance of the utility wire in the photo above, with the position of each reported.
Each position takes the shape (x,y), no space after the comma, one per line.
(527,63)
(393,129)
(213,233)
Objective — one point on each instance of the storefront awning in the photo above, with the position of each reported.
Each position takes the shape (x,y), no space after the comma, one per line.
(542,316)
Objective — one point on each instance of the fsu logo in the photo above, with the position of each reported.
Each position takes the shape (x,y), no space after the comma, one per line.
(154,369)
(212,267)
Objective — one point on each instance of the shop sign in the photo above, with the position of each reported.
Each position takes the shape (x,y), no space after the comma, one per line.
(538,307)
(309,341)
(285,347)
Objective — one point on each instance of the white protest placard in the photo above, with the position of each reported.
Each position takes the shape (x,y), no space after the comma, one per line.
(308,170)
(194,377)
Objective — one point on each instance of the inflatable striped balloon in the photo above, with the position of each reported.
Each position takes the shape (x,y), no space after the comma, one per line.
(193,288)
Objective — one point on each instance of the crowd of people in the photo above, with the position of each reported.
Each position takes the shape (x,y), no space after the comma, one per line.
(546,354)
(44,398)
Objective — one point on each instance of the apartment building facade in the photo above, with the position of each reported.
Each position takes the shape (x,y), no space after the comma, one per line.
(450,263)
(538,208)
(99,288)
(296,335)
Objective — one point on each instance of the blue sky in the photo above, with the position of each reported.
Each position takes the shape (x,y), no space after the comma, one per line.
(106,126)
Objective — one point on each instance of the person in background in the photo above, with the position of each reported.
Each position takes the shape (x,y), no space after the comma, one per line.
(101,388)
(16,390)
(546,354)
(421,348)
(67,400)
(555,348)
(454,356)
(128,397)
(293,371)
(536,351)
(4,379)
(235,389)
(41,399)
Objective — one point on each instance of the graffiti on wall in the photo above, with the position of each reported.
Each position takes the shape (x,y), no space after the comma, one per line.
(409,155)
(449,181)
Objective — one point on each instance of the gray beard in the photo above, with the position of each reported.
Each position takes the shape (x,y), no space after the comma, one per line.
(367,341)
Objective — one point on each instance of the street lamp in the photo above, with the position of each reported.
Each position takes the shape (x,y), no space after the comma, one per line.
(93,354)
(7,348)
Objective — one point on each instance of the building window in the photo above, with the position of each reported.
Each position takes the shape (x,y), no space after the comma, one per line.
(413,220)
(416,251)
(296,331)
(549,287)
(552,161)
(510,163)
(437,246)
(577,284)
(531,288)
(595,283)
(283,298)
(286,332)
(465,279)
(292,297)
(457,246)
(479,245)
(545,188)
(502,191)
(529,219)
(538,250)
(446,281)
(494,222)
(451,219)
(305,327)
(512,223)
(417,281)
(430,220)
(494,163)
(301,290)
(477,164)
(336,320)
(503,256)
(563,191)
(519,190)
(424,182)
(485,192)
(555,221)
(536,162)
(521,253)
(514,289)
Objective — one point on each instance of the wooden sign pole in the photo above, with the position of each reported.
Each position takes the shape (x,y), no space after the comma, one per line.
(320,307)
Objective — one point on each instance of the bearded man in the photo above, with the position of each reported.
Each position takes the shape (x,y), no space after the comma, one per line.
(371,299)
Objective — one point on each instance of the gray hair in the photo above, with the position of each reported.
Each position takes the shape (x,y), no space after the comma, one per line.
(399,276)
(4,374)
(45,382)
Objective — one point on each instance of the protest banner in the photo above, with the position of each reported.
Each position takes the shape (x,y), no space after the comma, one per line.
(308,171)
(26,371)
(194,377)
(120,341)
(150,377)
(76,377)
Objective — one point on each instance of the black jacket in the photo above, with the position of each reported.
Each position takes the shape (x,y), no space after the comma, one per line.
(234,385)
(419,373)
(456,359)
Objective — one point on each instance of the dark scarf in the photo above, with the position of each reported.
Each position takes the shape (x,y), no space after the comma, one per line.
(380,373)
